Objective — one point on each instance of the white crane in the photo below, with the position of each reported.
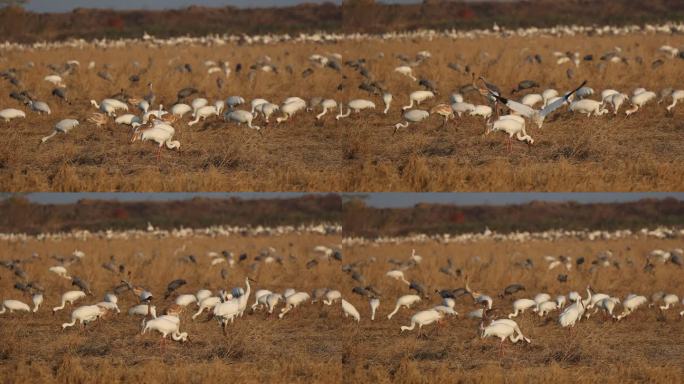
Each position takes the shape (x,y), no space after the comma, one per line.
(537,116)
(203,113)
(69,297)
(180,109)
(387,99)
(350,310)
(327,104)
(128,119)
(422,318)
(290,108)
(332,296)
(520,306)
(484,111)
(60,271)
(532,99)
(161,134)
(257,102)
(397,275)
(630,304)
(374,304)
(588,106)
(292,301)
(267,109)
(418,97)
(412,116)
(512,127)
(241,117)
(544,308)
(143,310)
(260,298)
(677,95)
(639,100)
(166,325)
(64,126)
(404,301)
(14,305)
(11,113)
(462,107)
(84,315)
(406,71)
(357,105)
(669,300)
(37,299)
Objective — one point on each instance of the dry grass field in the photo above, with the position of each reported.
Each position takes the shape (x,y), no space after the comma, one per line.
(316,344)
(639,153)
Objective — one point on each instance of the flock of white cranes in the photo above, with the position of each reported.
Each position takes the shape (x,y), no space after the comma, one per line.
(226,307)
(499,112)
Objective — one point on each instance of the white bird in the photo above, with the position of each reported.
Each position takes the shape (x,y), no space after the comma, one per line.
(127,119)
(423,318)
(55,80)
(198,103)
(289,109)
(234,101)
(588,106)
(260,298)
(456,98)
(548,94)
(387,99)
(418,97)
(357,105)
(180,109)
(537,116)
(560,300)
(669,300)
(532,99)
(14,305)
(510,126)
(520,306)
(607,304)
(293,301)
(37,299)
(64,126)
(257,102)
(374,304)
(404,301)
(484,111)
(272,300)
(160,133)
(501,331)
(84,315)
(541,297)
(544,308)
(60,271)
(616,100)
(406,71)
(185,300)
(327,104)
(639,100)
(397,275)
(207,303)
(201,295)
(676,96)
(203,113)
(143,310)
(630,304)
(267,109)
(349,310)
(69,297)
(512,324)
(412,116)
(11,113)
(166,325)
(462,107)
(241,117)
(331,297)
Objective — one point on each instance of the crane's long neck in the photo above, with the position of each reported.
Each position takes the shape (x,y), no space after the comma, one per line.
(249,288)
(48,137)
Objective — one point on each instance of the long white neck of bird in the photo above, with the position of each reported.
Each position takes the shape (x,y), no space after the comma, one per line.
(322,113)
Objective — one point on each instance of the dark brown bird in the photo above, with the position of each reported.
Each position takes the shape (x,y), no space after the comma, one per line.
(82,285)
(513,288)
(172,286)
(525,84)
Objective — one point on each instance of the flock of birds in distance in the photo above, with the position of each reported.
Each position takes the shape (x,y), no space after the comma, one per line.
(228,306)
(149,120)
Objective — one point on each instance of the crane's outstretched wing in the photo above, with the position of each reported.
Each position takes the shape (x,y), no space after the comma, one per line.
(491,88)
(515,106)
(558,103)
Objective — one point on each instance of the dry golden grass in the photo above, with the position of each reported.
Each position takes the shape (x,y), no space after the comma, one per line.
(316,344)
(574,153)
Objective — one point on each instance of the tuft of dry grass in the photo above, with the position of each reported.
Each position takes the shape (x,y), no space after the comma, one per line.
(571,153)
(316,344)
